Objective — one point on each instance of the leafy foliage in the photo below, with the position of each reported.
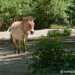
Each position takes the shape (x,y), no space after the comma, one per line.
(50,50)
(71,12)
(11,10)
(46,12)
(51,11)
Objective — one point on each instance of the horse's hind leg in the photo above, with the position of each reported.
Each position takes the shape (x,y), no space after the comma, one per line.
(12,41)
(15,43)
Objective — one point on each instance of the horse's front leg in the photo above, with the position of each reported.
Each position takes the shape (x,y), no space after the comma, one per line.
(19,46)
(25,43)
(23,46)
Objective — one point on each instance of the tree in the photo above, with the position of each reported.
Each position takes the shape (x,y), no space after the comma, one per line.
(51,11)
(71,12)
(10,9)
(45,11)
(49,51)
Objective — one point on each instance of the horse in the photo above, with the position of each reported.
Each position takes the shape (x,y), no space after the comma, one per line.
(19,32)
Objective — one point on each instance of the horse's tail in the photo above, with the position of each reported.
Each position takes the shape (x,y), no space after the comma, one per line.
(9,29)
(11,38)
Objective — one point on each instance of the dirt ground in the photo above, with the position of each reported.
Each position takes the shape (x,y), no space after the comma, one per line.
(15,64)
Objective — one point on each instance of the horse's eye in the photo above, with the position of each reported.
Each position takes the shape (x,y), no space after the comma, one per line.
(30,26)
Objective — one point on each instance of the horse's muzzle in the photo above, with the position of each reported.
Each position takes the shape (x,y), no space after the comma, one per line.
(32,32)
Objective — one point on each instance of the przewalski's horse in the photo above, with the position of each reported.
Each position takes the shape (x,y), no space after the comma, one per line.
(19,32)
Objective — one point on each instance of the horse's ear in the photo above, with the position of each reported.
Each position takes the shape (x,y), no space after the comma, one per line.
(24,19)
(27,18)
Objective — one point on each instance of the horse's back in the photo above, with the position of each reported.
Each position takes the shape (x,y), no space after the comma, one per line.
(17,32)
(16,23)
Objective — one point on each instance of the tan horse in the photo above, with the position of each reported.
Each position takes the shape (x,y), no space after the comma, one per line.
(19,32)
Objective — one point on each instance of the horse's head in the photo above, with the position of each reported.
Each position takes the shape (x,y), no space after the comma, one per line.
(28,23)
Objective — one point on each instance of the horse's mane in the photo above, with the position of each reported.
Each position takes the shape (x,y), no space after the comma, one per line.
(27,18)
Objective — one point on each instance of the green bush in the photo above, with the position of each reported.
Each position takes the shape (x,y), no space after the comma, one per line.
(59,33)
(45,11)
(57,26)
(66,32)
(50,50)
(11,10)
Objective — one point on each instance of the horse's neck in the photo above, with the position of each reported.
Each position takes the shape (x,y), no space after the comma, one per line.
(23,29)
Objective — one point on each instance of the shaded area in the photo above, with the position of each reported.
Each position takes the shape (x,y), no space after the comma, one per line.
(22,64)
(6,47)
(15,67)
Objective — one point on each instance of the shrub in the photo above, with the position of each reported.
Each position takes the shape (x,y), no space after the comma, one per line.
(57,26)
(66,32)
(50,50)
